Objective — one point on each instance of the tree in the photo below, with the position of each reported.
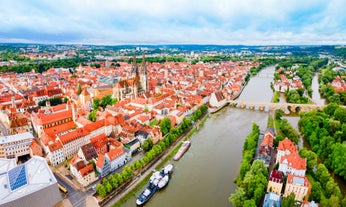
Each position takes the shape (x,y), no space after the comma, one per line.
(310,156)
(165,125)
(343,202)
(334,201)
(79,90)
(330,188)
(338,159)
(113,181)
(108,186)
(278,114)
(101,190)
(340,114)
(250,203)
(127,172)
(137,164)
(322,174)
(147,144)
(92,116)
(316,191)
(119,178)
(288,201)
(238,198)
(96,103)
(107,100)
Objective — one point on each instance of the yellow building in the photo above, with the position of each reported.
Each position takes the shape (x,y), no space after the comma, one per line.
(299,185)
(275,182)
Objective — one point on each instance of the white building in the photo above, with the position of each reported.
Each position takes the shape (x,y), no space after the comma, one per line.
(83,171)
(117,158)
(217,99)
(29,184)
(16,145)
(285,147)
(293,164)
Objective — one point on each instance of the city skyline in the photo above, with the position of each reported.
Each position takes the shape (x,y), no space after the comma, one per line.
(266,22)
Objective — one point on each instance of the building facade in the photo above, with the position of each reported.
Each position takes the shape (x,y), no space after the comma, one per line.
(16,145)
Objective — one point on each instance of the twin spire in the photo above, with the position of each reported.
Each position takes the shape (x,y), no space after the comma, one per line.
(135,66)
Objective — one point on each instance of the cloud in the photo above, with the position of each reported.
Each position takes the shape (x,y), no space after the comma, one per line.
(174,21)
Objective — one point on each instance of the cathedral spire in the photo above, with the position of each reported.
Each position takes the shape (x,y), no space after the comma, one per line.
(144,66)
(134,65)
(144,75)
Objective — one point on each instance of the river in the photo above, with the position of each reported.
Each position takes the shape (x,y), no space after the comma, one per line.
(204,175)
(316,96)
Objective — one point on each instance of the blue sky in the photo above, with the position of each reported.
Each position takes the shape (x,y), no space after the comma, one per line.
(114,22)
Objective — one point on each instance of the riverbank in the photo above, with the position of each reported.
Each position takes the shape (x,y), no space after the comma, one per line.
(141,180)
(211,164)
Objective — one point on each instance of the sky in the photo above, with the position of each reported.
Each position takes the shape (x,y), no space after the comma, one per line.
(224,22)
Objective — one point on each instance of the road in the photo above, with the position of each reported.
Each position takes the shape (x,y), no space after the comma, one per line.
(76,197)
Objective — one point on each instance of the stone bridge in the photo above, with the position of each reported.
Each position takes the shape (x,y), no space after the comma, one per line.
(273,106)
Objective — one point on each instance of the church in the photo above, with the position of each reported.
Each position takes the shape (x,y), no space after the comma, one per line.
(135,85)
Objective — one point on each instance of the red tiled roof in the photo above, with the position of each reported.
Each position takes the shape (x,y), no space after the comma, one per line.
(86,170)
(60,128)
(100,143)
(295,161)
(59,107)
(115,153)
(51,118)
(74,135)
(94,125)
(276,176)
(267,140)
(287,144)
(55,146)
(100,161)
(45,138)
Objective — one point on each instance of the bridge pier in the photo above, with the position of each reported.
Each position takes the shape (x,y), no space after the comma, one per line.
(295,108)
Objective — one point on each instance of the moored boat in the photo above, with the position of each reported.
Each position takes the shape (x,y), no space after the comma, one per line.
(161,178)
(184,147)
(146,194)
(157,181)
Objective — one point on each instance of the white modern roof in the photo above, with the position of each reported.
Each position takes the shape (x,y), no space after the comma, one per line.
(38,176)
(6,165)
(16,137)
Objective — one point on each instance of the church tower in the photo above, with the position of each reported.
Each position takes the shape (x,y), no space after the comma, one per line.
(134,71)
(144,75)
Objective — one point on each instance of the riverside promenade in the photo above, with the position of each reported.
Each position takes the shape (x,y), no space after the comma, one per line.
(140,177)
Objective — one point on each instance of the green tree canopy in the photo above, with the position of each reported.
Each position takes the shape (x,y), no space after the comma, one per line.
(165,125)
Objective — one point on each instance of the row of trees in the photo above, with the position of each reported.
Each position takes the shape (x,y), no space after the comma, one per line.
(40,66)
(53,101)
(8,55)
(284,129)
(115,180)
(252,179)
(326,131)
(324,189)
(250,189)
(249,151)
(159,59)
